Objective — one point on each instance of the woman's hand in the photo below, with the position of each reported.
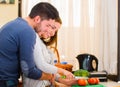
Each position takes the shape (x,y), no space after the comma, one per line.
(68,74)
(68,82)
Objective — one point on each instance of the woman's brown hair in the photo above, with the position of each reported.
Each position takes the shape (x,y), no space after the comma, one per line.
(53,39)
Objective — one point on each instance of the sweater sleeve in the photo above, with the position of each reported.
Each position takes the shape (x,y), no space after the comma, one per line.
(42,57)
(27,42)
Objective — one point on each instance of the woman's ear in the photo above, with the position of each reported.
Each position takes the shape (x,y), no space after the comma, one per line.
(37,19)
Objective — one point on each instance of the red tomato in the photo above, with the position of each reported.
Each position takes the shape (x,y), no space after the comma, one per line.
(82,82)
(97,80)
(92,81)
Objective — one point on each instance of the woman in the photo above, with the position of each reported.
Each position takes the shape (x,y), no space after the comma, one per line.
(44,59)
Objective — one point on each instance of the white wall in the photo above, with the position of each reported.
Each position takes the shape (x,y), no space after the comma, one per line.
(8,12)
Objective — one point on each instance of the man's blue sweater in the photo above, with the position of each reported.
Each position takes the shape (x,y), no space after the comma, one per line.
(17,40)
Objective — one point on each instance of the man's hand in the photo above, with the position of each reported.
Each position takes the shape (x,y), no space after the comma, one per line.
(53,80)
(46,76)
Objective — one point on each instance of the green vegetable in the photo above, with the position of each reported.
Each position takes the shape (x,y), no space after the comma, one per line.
(81,72)
(63,76)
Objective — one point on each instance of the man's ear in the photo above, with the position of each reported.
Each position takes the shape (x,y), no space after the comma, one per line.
(37,19)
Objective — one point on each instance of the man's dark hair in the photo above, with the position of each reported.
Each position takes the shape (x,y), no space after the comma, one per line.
(44,10)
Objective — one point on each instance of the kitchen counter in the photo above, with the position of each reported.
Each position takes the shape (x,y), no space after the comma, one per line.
(109,83)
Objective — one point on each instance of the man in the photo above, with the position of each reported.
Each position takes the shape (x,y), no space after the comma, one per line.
(17,40)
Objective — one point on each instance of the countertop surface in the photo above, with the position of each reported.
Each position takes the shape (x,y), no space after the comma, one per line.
(109,83)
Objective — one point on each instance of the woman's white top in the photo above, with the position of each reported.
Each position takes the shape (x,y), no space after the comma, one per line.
(44,59)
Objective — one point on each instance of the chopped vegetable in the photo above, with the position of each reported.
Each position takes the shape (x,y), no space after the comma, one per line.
(81,72)
(63,76)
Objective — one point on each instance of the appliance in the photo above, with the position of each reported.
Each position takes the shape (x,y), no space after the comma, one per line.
(88,62)
(102,75)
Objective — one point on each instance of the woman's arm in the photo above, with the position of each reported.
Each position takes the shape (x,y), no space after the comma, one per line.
(42,56)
